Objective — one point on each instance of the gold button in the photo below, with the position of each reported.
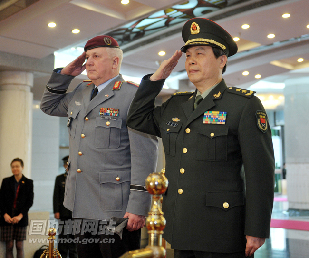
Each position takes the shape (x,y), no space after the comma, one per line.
(180,191)
(80,153)
(82,135)
(117,178)
(182,171)
(226,205)
(184,150)
(188,130)
(86,118)
(108,123)
(79,170)
(167,129)
(71,113)
(212,134)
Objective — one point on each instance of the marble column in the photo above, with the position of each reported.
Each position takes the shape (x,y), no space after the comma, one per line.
(296,118)
(15,120)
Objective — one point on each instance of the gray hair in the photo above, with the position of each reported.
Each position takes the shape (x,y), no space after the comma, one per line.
(112,52)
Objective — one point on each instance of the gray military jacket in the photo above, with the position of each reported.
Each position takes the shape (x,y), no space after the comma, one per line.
(105,158)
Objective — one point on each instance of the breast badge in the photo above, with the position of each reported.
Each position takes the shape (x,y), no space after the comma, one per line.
(214,117)
(261,118)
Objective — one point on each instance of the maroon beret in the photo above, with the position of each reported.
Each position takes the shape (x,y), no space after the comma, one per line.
(101,41)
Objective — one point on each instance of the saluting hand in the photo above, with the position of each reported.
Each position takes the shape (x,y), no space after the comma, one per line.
(135,222)
(76,67)
(253,243)
(166,67)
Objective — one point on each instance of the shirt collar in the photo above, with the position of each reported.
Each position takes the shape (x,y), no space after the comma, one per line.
(103,85)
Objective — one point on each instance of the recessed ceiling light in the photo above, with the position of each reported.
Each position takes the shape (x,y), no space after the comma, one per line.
(286,15)
(258,76)
(52,25)
(161,53)
(125,1)
(76,31)
(236,38)
(245,73)
(300,60)
(271,36)
(245,26)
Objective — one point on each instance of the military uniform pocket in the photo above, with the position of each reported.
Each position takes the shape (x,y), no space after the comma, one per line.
(169,136)
(107,133)
(72,121)
(114,190)
(225,200)
(212,143)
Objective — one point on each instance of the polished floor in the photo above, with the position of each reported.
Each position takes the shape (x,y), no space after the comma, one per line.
(285,243)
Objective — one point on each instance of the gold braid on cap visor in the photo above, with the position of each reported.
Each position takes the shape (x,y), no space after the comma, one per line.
(203,41)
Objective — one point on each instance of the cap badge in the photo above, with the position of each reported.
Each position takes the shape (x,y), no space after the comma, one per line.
(107,41)
(175,119)
(195,28)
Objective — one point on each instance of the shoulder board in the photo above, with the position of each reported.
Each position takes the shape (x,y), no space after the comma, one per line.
(241,92)
(183,93)
(133,83)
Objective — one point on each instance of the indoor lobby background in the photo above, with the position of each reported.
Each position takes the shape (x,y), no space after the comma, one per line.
(37,36)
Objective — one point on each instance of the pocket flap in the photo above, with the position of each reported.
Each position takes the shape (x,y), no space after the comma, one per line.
(108,123)
(225,200)
(171,127)
(73,112)
(114,177)
(213,131)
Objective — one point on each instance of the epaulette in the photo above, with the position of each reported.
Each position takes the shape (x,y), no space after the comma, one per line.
(133,83)
(90,82)
(183,93)
(241,92)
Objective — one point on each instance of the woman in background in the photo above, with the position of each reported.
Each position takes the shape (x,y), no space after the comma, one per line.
(16,196)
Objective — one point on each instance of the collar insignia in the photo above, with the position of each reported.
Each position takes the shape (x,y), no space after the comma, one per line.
(117,85)
(217,95)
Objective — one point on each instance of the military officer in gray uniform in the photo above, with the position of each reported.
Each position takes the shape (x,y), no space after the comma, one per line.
(108,163)
(208,135)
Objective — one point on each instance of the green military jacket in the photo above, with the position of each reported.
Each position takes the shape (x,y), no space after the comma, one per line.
(208,205)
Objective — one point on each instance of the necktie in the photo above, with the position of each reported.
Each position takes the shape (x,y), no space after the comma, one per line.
(94,93)
(197,101)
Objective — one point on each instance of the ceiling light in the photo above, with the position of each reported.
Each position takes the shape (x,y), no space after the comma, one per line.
(161,53)
(52,25)
(286,15)
(245,73)
(308,26)
(236,38)
(76,31)
(125,1)
(245,26)
(271,36)
(258,76)
(300,60)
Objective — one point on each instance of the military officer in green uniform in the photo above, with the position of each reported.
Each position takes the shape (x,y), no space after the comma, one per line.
(208,135)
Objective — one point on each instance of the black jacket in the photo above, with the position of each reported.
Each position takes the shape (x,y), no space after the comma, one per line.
(24,200)
(58,197)
(206,205)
